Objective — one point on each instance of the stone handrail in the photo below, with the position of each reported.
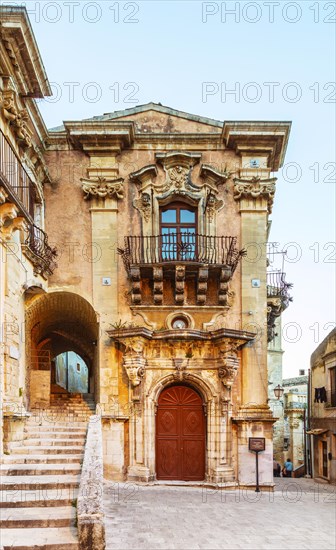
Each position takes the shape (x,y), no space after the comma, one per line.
(90,511)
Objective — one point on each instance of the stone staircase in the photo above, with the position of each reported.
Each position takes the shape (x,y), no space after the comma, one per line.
(40,477)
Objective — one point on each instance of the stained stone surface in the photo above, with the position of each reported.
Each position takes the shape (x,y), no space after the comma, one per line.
(300,514)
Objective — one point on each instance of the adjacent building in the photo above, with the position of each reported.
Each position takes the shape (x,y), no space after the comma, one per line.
(322,409)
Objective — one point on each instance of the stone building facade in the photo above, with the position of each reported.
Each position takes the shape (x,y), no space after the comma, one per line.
(322,409)
(160,219)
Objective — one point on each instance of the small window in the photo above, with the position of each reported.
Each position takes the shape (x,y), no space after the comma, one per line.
(78,367)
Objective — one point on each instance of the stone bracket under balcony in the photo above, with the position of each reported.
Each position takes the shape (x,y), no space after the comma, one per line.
(193,273)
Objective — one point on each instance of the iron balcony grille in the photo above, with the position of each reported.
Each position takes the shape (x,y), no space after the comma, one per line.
(43,256)
(181,247)
(277,286)
(15,178)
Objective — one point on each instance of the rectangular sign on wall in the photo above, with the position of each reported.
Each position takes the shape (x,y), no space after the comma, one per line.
(256,443)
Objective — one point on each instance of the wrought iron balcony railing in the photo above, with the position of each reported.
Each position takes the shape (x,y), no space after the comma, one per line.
(15,178)
(181,248)
(277,287)
(40,252)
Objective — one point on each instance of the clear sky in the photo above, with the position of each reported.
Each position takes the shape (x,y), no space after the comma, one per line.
(279,57)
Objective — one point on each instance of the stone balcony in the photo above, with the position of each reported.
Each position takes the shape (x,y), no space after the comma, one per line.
(167,268)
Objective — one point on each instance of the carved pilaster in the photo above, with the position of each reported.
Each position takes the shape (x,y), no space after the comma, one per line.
(135,277)
(102,188)
(158,285)
(202,285)
(179,284)
(255,188)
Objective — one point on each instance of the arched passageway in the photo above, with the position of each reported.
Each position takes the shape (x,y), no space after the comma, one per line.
(59,323)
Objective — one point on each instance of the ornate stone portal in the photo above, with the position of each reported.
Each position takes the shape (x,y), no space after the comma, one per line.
(207,361)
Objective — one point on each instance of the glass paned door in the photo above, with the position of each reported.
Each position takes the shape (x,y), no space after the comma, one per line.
(178,233)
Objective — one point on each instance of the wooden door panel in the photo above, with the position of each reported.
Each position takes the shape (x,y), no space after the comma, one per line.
(167,422)
(192,421)
(193,460)
(168,459)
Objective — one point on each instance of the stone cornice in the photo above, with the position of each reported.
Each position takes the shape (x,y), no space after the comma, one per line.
(212,175)
(23,53)
(258,138)
(178,158)
(146,173)
(187,334)
(99,137)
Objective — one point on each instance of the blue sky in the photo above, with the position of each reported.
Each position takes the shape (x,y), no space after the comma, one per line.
(114,55)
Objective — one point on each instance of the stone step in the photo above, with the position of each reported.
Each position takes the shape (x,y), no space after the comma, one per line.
(39,469)
(45,434)
(55,429)
(30,441)
(42,459)
(23,498)
(45,423)
(64,538)
(40,449)
(14,518)
(36,483)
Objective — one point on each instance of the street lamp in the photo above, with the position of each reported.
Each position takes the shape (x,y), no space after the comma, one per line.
(278,391)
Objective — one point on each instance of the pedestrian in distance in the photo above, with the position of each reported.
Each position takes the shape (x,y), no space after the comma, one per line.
(276,468)
(288,468)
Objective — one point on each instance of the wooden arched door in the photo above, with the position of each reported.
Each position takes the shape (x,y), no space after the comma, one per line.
(180,435)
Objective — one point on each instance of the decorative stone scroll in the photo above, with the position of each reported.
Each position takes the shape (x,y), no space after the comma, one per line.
(134,363)
(102,188)
(143,204)
(274,309)
(16,117)
(229,362)
(212,206)
(255,188)
(202,285)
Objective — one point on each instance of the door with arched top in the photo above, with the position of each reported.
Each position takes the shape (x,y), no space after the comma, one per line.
(180,435)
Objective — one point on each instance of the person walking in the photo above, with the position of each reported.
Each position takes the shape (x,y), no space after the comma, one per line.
(288,468)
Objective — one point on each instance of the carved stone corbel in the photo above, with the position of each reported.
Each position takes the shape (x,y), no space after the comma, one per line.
(274,310)
(179,284)
(135,277)
(8,212)
(224,278)
(158,285)
(202,284)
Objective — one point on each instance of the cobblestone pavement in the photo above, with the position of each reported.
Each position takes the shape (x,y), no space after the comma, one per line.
(300,514)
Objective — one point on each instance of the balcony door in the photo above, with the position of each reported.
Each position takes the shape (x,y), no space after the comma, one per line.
(178,228)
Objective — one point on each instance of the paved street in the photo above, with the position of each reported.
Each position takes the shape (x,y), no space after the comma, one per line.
(300,514)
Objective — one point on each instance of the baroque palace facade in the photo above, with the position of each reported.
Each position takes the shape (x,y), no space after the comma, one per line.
(156,277)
